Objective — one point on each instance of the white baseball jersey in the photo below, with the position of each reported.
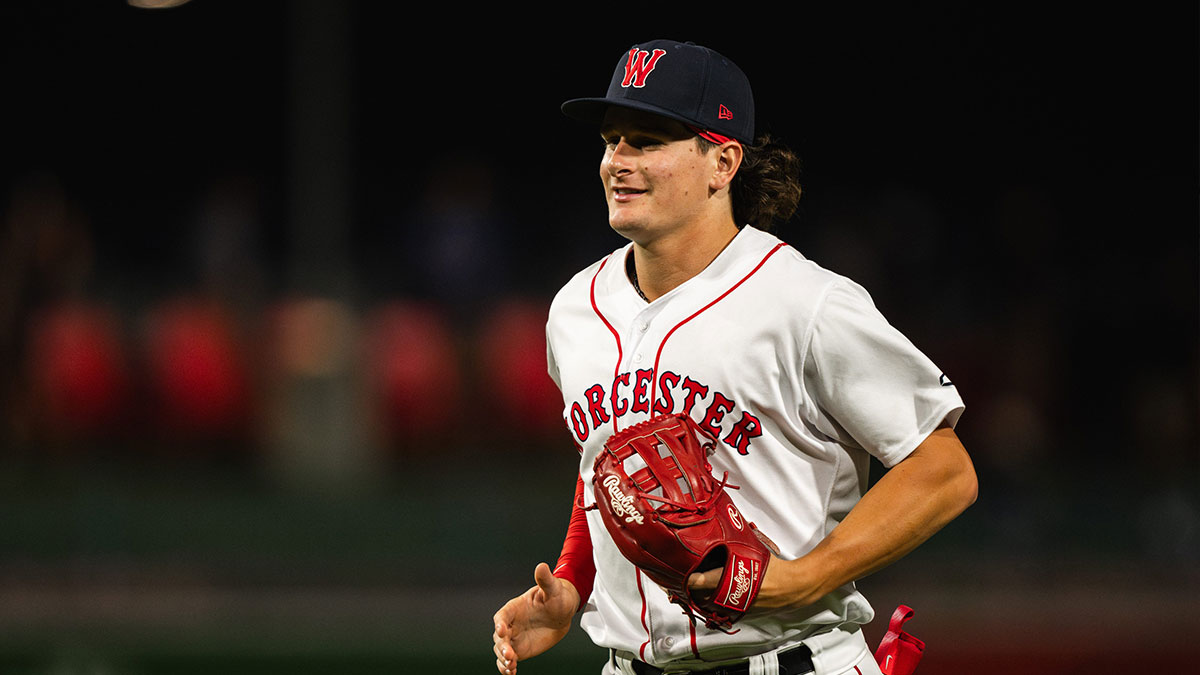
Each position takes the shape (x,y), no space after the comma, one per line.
(794,370)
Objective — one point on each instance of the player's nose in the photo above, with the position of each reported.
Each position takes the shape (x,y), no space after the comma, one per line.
(620,159)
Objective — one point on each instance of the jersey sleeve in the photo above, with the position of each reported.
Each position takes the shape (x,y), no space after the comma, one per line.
(551,364)
(881,393)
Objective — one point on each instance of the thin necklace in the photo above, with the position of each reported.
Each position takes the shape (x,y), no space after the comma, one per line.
(631,272)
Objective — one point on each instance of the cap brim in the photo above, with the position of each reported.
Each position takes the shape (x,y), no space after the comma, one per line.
(592,110)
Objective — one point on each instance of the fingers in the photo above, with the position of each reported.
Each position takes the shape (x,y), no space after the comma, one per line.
(506,656)
(705,581)
(500,636)
(506,663)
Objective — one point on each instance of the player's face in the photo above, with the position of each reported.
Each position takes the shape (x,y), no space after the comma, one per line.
(656,179)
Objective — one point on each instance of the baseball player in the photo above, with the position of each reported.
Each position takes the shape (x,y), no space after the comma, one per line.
(788,364)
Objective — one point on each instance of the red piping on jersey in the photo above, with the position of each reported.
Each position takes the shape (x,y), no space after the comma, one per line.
(616,372)
(658,356)
(642,649)
(654,385)
(616,336)
(692,629)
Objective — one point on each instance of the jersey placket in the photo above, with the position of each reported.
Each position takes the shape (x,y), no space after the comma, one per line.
(643,336)
(639,337)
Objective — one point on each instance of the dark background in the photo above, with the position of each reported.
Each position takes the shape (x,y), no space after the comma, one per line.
(272,280)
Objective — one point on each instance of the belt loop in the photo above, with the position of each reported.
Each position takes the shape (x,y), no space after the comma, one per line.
(621,666)
(765,664)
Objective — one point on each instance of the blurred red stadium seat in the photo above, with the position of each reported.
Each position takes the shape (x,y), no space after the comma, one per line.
(414,369)
(512,357)
(196,369)
(78,371)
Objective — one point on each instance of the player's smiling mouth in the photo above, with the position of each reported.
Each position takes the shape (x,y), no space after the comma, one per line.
(624,194)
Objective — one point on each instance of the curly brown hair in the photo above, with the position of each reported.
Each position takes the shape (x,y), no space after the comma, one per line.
(766,189)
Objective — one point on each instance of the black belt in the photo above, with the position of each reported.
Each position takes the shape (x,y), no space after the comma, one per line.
(791,662)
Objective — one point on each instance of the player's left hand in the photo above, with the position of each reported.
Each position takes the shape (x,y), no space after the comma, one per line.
(783,585)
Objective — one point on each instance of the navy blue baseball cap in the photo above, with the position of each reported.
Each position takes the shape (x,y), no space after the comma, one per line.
(680,80)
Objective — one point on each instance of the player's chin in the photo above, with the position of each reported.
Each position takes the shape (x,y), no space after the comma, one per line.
(626,224)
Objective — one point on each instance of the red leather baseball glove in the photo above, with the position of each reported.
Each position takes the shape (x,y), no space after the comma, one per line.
(670,517)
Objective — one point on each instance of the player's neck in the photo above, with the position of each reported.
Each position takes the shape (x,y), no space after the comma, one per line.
(667,262)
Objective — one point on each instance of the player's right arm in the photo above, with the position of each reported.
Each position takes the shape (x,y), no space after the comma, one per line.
(535,621)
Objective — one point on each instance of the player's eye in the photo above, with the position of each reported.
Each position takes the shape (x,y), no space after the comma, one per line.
(638,142)
(642,141)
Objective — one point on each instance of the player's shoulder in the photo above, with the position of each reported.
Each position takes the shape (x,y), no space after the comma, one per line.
(802,286)
(788,265)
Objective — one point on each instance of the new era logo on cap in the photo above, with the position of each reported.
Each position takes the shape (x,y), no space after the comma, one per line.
(724,113)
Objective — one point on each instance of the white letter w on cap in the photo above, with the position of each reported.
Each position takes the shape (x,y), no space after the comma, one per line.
(639,65)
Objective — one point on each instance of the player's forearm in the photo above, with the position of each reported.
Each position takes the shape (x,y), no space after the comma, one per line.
(910,503)
(575,564)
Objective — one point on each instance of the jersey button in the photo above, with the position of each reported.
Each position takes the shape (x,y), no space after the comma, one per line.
(637,358)
(642,327)
(668,642)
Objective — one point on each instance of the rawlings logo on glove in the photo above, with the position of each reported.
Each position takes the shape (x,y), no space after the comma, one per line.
(670,517)
(742,581)
(621,503)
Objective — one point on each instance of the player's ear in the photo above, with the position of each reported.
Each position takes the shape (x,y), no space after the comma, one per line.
(729,159)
